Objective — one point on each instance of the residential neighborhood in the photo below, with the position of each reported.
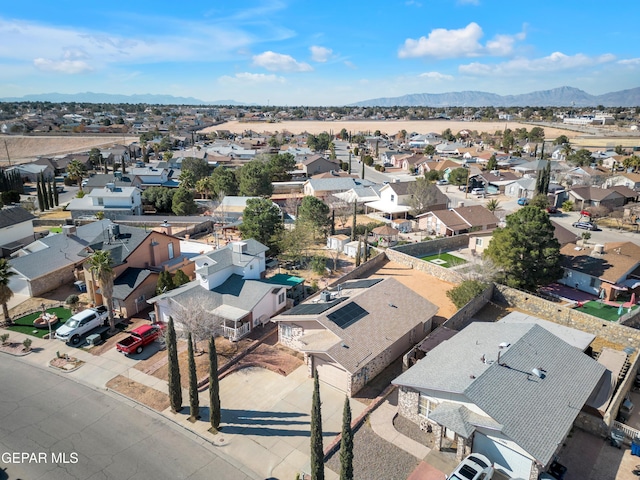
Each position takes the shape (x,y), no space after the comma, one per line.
(461,293)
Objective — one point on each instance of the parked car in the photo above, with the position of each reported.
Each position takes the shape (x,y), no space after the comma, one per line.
(586,225)
(442,182)
(475,467)
(139,338)
(477,191)
(82,323)
(551,209)
(523,201)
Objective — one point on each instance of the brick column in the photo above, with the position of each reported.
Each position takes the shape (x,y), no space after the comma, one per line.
(536,470)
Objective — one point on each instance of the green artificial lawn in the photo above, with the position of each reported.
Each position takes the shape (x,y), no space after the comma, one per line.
(602,310)
(449,260)
(55,229)
(25,324)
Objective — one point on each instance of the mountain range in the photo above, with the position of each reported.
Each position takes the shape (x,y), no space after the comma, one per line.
(556,97)
(91,97)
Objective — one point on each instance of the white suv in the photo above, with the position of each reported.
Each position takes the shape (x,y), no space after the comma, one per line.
(81,323)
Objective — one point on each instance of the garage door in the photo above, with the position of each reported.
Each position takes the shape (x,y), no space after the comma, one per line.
(505,459)
(329,373)
(19,285)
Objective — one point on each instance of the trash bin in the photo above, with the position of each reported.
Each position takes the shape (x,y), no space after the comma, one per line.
(635,447)
(152,317)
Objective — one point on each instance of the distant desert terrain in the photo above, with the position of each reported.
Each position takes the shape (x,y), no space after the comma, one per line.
(390,127)
(23,149)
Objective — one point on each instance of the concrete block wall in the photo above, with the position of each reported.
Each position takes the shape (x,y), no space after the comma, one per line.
(422,249)
(446,274)
(363,270)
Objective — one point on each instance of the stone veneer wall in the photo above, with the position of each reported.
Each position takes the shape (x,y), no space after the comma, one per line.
(408,404)
(52,280)
(422,249)
(442,273)
(363,270)
(462,318)
(613,332)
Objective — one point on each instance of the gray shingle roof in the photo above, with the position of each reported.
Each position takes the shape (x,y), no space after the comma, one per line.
(14,215)
(226,257)
(128,281)
(536,413)
(57,251)
(235,291)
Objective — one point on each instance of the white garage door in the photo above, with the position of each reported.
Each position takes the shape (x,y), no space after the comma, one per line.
(329,373)
(505,459)
(19,285)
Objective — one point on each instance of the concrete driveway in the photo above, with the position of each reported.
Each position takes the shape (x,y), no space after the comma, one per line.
(265,420)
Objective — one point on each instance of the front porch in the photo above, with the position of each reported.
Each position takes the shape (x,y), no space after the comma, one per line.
(234,332)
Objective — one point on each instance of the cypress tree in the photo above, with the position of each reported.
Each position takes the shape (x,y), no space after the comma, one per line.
(55,193)
(349,163)
(346,444)
(40,196)
(353,225)
(194,401)
(175,388)
(50,193)
(365,245)
(317,450)
(358,252)
(45,193)
(214,387)
(333,222)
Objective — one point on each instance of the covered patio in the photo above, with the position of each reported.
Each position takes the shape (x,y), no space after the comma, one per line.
(389,210)
(236,322)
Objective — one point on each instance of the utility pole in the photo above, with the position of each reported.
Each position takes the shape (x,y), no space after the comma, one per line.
(7,149)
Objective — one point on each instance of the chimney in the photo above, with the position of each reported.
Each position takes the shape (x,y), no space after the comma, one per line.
(110,186)
(165,228)
(69,230)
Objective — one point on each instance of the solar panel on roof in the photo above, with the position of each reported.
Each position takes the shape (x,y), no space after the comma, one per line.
(313,308)
(347,315)
(364,283)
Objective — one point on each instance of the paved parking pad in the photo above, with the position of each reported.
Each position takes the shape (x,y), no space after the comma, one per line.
(265,419)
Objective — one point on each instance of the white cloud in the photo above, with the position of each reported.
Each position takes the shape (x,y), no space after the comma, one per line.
(350,64)
(630,61)
(277,62)
(412,3)
(436,76)
(70,67)
(247,77)
(555,62)
(320,54)
(463,42)
(468,2)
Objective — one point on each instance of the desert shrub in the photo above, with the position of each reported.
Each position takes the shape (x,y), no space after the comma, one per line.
(26,343)
(466,291)
(4,338)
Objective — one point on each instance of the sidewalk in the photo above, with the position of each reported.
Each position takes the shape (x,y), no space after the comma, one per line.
(284,457)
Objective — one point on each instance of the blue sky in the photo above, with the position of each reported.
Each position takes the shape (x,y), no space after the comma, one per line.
(302,52)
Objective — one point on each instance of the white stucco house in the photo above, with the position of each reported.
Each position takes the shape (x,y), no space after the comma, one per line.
(231,287)
(112,201)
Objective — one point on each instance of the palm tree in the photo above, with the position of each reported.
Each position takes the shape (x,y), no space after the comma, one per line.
(76,171)
(493,205)
(101,266)
(566,150)
(5,291)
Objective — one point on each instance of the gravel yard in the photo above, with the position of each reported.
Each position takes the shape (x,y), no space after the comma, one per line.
(375,458)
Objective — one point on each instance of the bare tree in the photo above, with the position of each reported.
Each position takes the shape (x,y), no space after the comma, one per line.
(194,315)
(291,205)
(481,269)
(218,213)
(342,209)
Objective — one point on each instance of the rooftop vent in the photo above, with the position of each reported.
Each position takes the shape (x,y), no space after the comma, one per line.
(325,296)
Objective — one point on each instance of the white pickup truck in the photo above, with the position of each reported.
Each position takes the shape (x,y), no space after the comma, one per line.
(82,323)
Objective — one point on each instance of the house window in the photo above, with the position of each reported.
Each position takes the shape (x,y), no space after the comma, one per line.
(281,298)
(100,201)
(425,406)
(592,282)
(286,331)
(393,198)
(170,247)
(250,267)
(478,242)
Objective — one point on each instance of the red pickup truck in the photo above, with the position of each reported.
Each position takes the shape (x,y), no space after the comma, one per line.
(138,338)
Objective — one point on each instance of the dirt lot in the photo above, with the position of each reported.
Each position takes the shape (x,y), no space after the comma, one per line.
(389,127)
(25,148)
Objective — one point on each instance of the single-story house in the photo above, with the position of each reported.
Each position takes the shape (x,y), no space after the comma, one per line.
(350,333)
(510,391)
(16,227)
(587,196)
(457,220)
(602,270)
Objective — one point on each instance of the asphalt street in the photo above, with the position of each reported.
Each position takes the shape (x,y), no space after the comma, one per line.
(70,431)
